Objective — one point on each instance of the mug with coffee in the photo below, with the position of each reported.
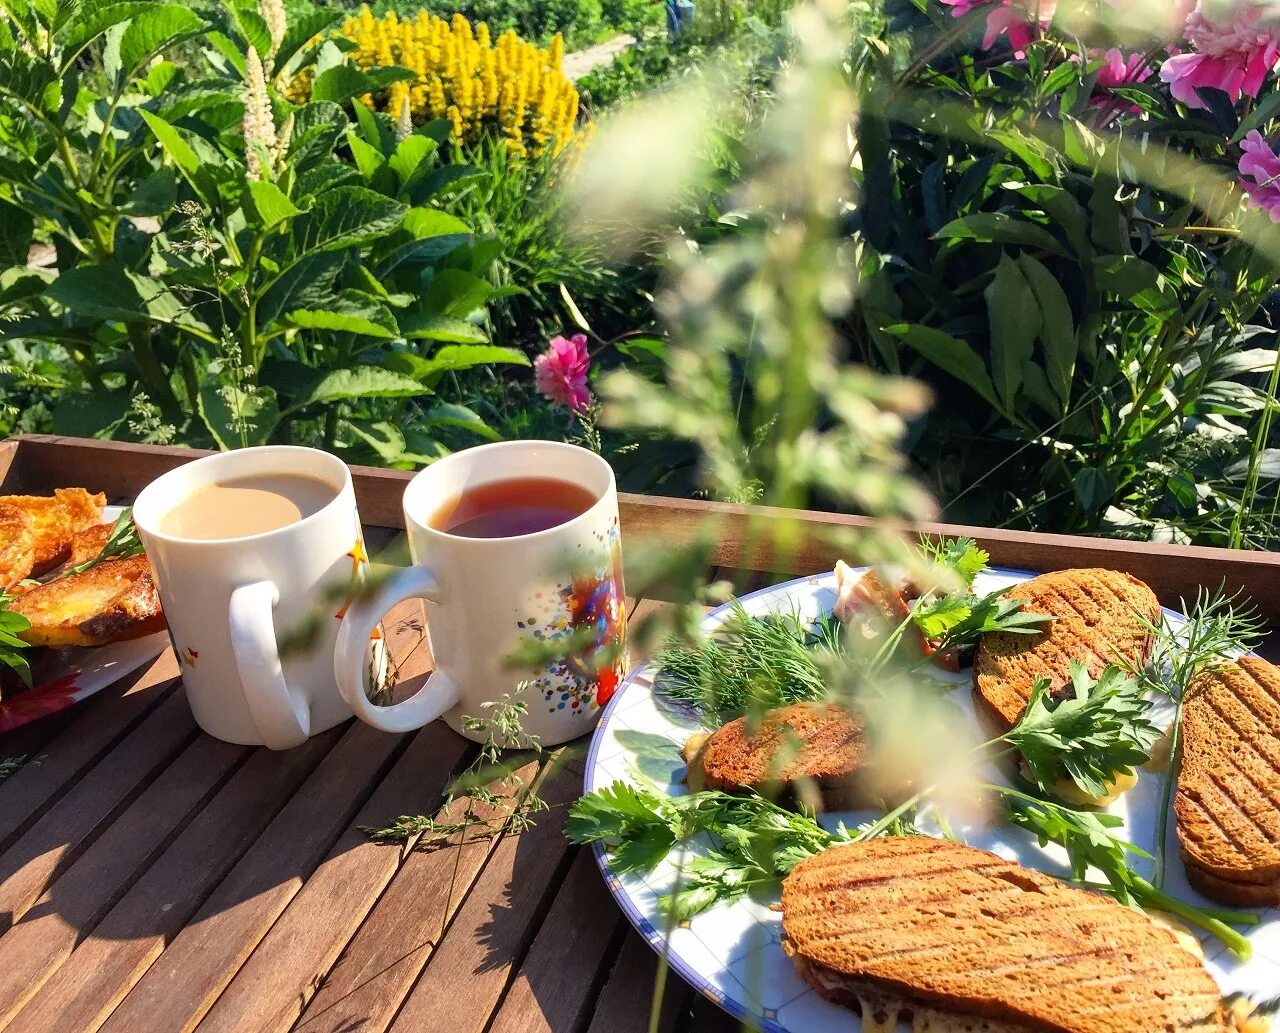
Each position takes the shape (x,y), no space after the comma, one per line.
(513,544)
(245,544)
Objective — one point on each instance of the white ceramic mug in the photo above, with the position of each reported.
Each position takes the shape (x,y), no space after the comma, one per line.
(225,599)
(489,596)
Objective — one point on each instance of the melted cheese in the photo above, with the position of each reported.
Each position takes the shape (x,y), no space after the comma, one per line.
(1185,937)
(694,775)
(1070,793)
(1240,1017)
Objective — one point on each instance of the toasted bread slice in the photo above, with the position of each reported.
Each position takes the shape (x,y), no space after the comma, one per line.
(55,519)
(821,742)
(17,545)
(1098,620)
(112,602)
(937,927)
(1228,797)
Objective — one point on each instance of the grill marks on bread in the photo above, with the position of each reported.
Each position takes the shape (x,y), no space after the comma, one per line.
(1096,623)
(943,925)
(1228,796)
(818,741)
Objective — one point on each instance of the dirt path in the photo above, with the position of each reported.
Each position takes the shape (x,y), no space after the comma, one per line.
(578,64)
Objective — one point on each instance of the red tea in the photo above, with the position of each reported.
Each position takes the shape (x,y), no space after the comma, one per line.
(510,508)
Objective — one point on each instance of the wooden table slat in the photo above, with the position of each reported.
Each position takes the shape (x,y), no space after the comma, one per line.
(74,904)
(395,942)
(186,979)
(53,842)
(103,968)
(97,727)
(555,989)
(626,1002)
(468,972)
(276,983)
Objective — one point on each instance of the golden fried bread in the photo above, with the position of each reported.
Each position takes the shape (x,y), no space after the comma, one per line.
(821,742)
(1228,796)
(1098,620)
(17,545)
(945,930)
(55,519)
(88,544)
(112,602)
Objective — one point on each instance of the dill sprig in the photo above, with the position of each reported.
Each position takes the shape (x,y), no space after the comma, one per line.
(1217,628)
(486,812)
(749,663)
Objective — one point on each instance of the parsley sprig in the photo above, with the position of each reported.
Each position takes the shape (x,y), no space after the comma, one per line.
(1099,730)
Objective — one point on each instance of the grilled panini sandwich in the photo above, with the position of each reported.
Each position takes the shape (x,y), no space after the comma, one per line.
(960,939)
(818,742)
(1229,783)
(1098,620)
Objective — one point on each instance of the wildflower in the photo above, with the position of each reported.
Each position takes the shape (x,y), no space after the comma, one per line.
(404,120)
(277,22)
(561,373)
(1117,70)
(1260,174)
(259,125)
(1232,51)
(1023,20)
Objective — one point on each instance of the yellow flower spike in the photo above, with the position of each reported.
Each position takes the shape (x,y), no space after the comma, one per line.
(504,88)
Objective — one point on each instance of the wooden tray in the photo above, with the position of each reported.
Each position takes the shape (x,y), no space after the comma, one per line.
(152,878)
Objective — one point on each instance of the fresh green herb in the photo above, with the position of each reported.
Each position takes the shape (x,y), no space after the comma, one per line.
(1086,837)
(12,648)
(961,555)
(749,663)
(122,543)
(1217,628)
(755,842)
(11,765)
(487,812)
(969,617)
(1102,729)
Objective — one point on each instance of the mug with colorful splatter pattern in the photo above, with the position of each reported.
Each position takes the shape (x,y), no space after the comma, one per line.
(539,617)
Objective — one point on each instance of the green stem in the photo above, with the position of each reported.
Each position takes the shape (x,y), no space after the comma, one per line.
(1171,778)
(1153,899)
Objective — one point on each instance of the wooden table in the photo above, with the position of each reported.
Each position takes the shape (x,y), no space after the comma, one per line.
(155,879)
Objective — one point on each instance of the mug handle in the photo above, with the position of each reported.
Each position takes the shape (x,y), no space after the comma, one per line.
(439,693)
(282,721)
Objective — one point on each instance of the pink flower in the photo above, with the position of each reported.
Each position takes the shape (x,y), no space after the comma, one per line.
(1260,174)
(561,373)
(1120,70)
(1232,53)
(1023,20)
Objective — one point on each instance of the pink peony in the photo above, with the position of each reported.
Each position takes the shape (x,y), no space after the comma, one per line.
(1232,53)
(1120,70)
(1260,174)
(1023,20)
(561,373)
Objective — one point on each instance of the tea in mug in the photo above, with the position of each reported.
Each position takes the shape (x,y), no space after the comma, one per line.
(511,508)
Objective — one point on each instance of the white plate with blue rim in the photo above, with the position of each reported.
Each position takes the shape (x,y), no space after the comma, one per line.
(732,953)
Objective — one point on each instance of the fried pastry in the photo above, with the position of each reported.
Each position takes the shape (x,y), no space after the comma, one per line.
(17,542)
(112,602)
(54,521)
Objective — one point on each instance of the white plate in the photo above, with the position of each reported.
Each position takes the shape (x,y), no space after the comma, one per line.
(86,672)
(731,953)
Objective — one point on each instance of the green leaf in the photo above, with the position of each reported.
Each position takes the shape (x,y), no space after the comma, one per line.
(575,313)
(999,228)
(92,20)
(268,203)
(1094,488)
(456,292)
(305,284)
(346,314)
(451,414)
(109,292)
(425,223)
(949,354)
(347,215)
(435,327)
(303,27)
(464,356)
(386,439)
(1065,210)
(153,30)
(16,228)
(410,158)
(937,616)
(170,139)
(340,83)
(1057,327)
(369,159)
(238,417)
(1134,280)
(362,382)
(1015,322)
(253,30)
